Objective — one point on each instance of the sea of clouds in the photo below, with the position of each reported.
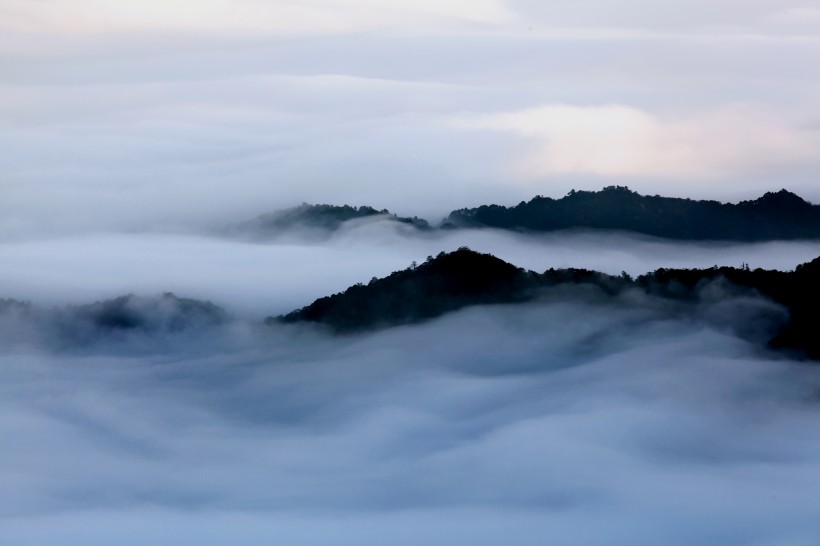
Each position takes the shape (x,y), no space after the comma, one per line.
(256,278)
(577,419)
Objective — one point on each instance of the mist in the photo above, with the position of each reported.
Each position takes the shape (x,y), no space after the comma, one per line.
(144,400)
(255,279)
(145,113)
(576,419)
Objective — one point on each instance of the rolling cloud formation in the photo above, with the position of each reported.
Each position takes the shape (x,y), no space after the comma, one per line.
(577,419)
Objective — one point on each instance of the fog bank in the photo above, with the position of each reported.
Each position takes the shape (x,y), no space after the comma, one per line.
(259,279)
(574,420)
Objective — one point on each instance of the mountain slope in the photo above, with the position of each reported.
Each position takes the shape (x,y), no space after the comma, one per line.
(318,219)
(446,283)
(464,278)
(442,284)
(775,215)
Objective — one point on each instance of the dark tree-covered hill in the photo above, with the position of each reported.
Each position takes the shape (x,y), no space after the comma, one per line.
(463,278)
(442,284)
(775,215)
(319,218)
(798,291)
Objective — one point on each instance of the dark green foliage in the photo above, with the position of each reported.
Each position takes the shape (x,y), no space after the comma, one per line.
(445,283)
(328,217)
(780,215)
(322,217)
(462,278)
(801,294)
(798,291)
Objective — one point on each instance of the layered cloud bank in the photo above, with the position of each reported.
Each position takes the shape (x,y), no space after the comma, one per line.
(130,128)
(254,280)
(575,421)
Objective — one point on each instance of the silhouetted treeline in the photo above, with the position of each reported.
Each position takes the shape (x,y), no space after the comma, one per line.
(319,217)
(463,278)
(798,291)
(776,215)
(441,284)
(448,282)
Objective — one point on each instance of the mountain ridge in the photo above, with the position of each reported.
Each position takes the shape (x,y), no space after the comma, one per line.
(776,215)
(321,219)
(464,278)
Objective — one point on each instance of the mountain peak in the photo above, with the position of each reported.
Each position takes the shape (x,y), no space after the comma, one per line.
(783,196)
(445,283)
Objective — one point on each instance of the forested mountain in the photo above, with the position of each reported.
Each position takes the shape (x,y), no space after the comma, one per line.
(775,215)
(318,218)
(441,284)
(463,278)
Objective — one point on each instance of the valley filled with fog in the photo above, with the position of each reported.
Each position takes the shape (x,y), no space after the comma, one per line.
(184,361)
(255,278)
(575,419)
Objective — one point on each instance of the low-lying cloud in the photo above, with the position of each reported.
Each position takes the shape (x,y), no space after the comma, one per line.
(254,280)
(576,420)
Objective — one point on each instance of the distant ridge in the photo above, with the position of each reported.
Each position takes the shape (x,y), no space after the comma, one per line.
(321,219)
(780,215)
(463,278)
(108,320)
(775,215)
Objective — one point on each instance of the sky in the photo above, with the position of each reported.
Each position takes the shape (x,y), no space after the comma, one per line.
(134,131)
(143,114)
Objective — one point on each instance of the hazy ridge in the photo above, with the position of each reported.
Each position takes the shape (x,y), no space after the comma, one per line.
(780,215)
(507,405)
(462,278)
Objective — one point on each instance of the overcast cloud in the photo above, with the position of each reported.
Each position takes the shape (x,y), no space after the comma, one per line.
(130,114)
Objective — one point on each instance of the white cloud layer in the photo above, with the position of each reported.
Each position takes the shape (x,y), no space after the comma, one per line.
(256,280)
(574,422)
(725,17)
(126,114)
(626,141)
(285,18)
